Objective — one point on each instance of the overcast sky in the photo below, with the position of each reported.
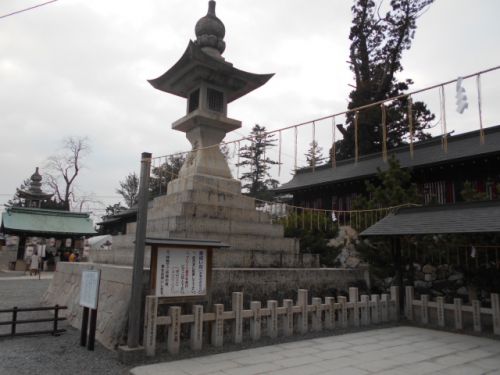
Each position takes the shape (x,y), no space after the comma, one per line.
(80,68)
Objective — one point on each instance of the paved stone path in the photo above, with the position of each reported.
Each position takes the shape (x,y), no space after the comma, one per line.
(390,351)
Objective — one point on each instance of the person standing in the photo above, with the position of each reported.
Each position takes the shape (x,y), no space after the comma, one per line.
(35,263)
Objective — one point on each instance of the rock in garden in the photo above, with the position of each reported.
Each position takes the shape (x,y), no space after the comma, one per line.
(456,276)
(428,268)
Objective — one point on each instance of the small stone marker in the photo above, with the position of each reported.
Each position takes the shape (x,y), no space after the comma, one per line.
(495,309)
(343,311)
(409,303)
(197,328)
(354,298)
(457,302)
(424,311)
(365,309)
(476,315)
(218,325)
(395,302)
(316,316)
(150,325)
(375,308)
(303,318)
(330,313)
(288,318)
(237,305)
(272,319)
(174,330)
(440,311)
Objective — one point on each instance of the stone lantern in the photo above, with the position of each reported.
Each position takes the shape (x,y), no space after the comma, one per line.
(209,83)
(205,201)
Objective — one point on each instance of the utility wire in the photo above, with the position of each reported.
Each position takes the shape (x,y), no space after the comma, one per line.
(26,9)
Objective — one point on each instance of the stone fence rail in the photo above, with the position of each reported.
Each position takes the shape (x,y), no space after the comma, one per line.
(453,315)
(271,320)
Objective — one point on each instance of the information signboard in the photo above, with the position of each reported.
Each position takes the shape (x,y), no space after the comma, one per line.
(89,289)
(181,272)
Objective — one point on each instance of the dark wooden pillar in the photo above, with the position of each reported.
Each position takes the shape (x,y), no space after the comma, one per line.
(21,247)
(398,266)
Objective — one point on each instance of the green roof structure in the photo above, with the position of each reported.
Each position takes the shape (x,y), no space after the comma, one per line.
(54,222)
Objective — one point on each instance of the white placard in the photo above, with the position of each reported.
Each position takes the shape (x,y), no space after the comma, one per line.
(89,289)
(181,272)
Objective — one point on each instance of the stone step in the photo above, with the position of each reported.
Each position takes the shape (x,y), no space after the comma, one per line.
(205,196)
(216,226)
(238,241)
(190,209)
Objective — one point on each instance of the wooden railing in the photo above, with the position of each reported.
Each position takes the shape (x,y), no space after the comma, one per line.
(15,321)
(284,320)
(451,315)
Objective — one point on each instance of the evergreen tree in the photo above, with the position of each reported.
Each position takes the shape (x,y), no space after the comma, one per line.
(114,209)
(314,155)
(129,189)
(257,181)
(392,188)
(377,45)
(162,175)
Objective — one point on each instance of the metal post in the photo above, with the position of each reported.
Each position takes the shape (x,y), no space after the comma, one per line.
(56,318)
(92,328)
(135,307)
(85,325)
(14,319)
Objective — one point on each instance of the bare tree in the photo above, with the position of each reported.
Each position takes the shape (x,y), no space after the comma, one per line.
(64,167)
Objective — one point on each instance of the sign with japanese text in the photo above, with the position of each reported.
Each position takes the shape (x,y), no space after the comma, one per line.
(181,272)
(89,289)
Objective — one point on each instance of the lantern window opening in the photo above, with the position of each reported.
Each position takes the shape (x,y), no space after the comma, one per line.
(215,100)
(194,100)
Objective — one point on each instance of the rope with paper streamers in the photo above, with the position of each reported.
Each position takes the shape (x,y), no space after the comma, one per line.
(370,105)
(384,132)
(480,109)
(305,218)
(334,143)
(444,139)
(356,144)
(410,124)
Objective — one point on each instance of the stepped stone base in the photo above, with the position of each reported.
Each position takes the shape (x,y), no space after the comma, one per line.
(212,208)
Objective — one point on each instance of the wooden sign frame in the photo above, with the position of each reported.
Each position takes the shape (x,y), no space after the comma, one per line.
(181,244)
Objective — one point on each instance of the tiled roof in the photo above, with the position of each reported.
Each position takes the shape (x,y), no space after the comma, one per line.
(469,217)
(36,220)
(429,152)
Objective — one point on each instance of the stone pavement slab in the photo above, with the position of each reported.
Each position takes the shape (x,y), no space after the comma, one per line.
(389,351)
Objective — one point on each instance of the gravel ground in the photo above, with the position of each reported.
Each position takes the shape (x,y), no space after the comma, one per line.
(45,354)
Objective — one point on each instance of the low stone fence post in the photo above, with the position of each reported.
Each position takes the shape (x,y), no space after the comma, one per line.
(468,317)
(290,318)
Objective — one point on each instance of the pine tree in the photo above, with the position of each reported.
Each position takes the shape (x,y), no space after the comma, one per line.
(162,175)
(377,45)
(392,188)
(129,189)
(257,180)
(314,155)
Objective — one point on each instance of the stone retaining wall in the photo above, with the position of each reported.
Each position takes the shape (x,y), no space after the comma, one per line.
(114,293)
